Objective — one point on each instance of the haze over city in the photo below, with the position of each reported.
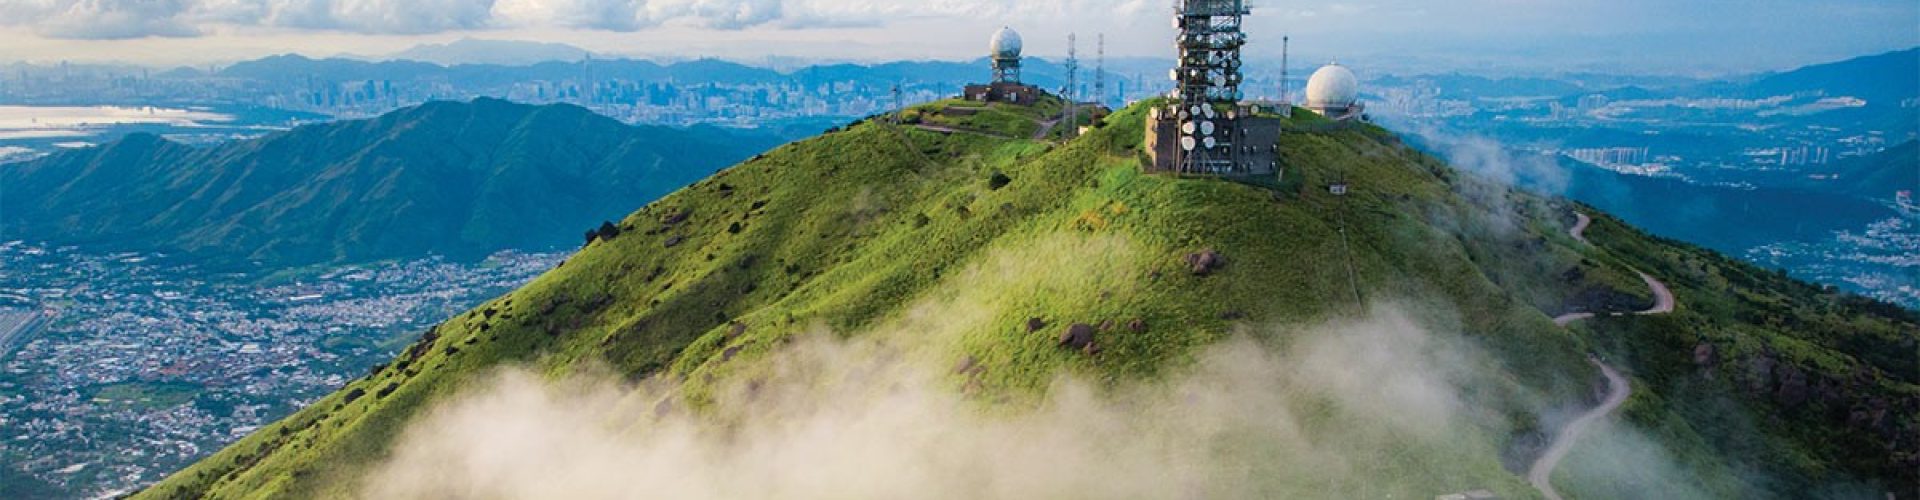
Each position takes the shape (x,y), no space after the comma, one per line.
(1692,37)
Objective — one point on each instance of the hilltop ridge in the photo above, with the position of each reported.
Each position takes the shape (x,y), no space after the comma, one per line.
(460,179)
(1009,262)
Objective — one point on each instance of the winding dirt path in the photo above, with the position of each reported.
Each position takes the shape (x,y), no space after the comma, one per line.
(1046,127)
(1618,388)
(943,129)
(1541,474)
(1663,302)
(1580,223)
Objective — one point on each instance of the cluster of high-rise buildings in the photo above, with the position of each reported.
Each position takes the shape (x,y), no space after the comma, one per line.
(1610,156)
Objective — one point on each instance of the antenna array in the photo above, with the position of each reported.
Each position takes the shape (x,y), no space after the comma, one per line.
(1208,80)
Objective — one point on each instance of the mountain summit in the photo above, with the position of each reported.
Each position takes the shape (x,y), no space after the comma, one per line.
(448,178)
(949,307)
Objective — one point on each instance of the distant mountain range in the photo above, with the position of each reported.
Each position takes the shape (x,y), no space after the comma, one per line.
(448,178)
(1873,177)
(293,67)
(1883,80)
(479,51)
(1889,77)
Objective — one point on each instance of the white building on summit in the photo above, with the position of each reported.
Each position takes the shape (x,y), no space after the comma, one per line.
(1003,50)
(1334,92)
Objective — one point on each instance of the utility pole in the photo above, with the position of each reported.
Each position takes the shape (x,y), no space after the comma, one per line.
(1285,41)
(899,105)
(1100,72)
(1073,106)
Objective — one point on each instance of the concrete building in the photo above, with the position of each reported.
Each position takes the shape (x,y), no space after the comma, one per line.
(1250,140)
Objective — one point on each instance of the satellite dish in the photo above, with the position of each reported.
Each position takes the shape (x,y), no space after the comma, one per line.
(1206,128)
(1210,143)
(1173,74)
(1196,110)
(1186,143)
(1209,111)
(1187,128)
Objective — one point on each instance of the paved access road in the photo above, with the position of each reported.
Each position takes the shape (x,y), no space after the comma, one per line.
(1541,473)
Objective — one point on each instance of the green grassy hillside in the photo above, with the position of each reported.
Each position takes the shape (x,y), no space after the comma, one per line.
(448,178)
(1805,391)
(971,240)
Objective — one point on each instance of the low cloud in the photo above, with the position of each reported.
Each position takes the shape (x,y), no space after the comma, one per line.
(1612,462)
(1396,403)
(1499,168)
(832,418)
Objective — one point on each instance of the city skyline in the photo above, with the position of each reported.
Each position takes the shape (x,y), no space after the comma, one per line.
(1694,37)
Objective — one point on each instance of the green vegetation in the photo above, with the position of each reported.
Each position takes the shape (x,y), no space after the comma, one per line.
(856,230)
(146,395)
(446,178)
(1804,388)
(1007,121)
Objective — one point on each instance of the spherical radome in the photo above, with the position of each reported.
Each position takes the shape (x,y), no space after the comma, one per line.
(1005,45)
(1333,86)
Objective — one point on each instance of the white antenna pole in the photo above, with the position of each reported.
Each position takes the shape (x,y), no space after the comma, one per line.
(1285,44)
(1073,105)
(1100,72)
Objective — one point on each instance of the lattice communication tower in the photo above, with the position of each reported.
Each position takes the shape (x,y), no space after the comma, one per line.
(1207,82)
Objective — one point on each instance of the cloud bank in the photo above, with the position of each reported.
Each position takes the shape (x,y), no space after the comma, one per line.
(125,19)
(854,419)
(1393,404)
(1373,407)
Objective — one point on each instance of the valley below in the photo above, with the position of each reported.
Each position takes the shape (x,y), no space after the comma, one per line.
(135,364)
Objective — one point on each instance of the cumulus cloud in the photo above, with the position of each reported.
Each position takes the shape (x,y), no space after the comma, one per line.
(608,15)
(144,18)
(122,19)
(379,16)
(112,19)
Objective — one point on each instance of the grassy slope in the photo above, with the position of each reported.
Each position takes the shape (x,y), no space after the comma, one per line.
(1795,388)
(847,230)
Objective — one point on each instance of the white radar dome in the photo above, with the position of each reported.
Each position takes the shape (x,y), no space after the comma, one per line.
(1005,44)
(1333,86)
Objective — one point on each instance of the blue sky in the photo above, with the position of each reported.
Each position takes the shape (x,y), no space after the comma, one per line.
(1668,36)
